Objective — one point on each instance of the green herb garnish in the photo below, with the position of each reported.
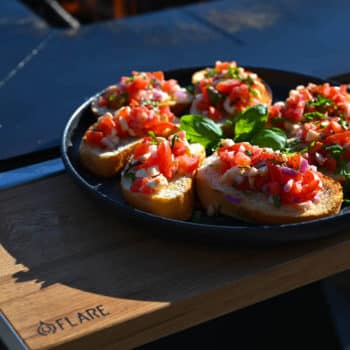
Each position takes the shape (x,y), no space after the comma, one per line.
(201,129)
(336,150)
(211,72)
(320,102)
(250,122)
(149,103)
(154,137)
(276,201)
(130,175)
(274,138)
(190,89)
(233,72)
(173,140)
(314,115)
(214,95)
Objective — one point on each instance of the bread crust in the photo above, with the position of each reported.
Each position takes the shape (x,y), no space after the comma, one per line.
(176,205)
(106,163)
(254,207)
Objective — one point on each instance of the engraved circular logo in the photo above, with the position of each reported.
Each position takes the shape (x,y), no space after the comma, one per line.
(45,328)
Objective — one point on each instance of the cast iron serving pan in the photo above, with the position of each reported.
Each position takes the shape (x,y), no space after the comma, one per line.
(216,228)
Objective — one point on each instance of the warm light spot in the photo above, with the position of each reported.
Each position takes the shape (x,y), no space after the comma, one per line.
(235,21)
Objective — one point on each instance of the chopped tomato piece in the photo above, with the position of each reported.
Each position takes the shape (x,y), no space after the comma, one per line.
(105,124)
(165,159)
(188,164)
(141,149)
(294,161)
(226,86)
(221,66)
(242,159)
(339,138)
(94,138)
(330,164)
(158,75)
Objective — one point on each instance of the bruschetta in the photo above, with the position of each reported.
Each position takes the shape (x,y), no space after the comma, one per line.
(144,88)
(159,176)
(259,185)
(317,117)
(222,92)
(108,143)
(311,103)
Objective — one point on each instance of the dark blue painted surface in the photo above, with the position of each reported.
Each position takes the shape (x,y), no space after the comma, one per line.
(300,35)
(296,35)
(20,33)
(74,66)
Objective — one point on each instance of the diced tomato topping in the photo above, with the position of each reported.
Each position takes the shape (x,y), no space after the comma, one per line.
(94,138)
(141,149)
(274,188)
(188,163)
(141,185)
(214,113)
(158,75)
(221,66)
(241,159)
(171,157)
(102,101)
(226,86)
(294,161)
(272,173)
(330,164)
(339,138)
(179,147)
(165,159)
(105,124)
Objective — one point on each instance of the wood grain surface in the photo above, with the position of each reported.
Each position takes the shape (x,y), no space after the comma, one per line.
(75,273)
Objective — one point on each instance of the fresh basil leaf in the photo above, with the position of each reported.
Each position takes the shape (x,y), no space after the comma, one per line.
(249,122)
(200,129)
(274,138)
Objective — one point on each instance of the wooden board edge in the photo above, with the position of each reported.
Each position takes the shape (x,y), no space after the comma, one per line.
(9,335)
(185,314)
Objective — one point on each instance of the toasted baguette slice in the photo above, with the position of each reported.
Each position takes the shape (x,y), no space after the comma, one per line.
(106,163)
(176,201)
(254,206)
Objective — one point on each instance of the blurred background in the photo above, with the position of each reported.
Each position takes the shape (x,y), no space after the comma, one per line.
(89,11)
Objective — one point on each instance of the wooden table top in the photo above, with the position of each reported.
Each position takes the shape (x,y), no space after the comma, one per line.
(73,272)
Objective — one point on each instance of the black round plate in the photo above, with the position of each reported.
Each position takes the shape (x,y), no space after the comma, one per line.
(216,228)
